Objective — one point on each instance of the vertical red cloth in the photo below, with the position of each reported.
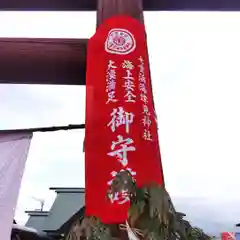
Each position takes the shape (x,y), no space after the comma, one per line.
(121,128)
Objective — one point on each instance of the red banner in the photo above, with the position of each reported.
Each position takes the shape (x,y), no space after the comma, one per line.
(121,128)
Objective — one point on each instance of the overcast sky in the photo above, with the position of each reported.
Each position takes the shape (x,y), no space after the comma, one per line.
(195,73)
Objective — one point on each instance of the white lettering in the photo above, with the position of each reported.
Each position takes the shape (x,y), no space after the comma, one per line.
(141,59)
(147,135)
(145,110)
(111,97)
(119,197)
(144,98)
(129,87)
(128,65)
(146,121)
(111,74)
(142,78)
(111,82)
(120,117)
(121,153)
(111,64)
(130,97)
(142,88)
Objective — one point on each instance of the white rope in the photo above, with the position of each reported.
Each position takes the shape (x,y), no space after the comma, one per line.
(131,234)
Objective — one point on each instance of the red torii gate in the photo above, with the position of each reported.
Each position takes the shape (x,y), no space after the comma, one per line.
(63,61)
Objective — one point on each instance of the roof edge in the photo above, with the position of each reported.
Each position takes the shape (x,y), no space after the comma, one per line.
(37,213)
(67,190)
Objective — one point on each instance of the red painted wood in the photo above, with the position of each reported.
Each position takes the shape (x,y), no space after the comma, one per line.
(148,5)
(43,61)
(108,8)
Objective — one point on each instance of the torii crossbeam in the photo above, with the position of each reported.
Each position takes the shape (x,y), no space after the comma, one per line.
(148,5)
(63,61)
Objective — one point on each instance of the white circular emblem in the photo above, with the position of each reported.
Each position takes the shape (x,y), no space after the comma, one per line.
(120,41)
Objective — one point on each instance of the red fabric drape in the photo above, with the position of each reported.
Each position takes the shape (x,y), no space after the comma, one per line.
(121,129)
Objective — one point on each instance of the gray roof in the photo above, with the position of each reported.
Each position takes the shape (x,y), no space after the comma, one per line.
(68,202)
(36,220)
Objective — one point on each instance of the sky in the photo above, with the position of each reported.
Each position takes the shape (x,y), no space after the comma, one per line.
(195,75)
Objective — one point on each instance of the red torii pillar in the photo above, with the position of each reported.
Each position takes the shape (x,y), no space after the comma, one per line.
(109,8)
